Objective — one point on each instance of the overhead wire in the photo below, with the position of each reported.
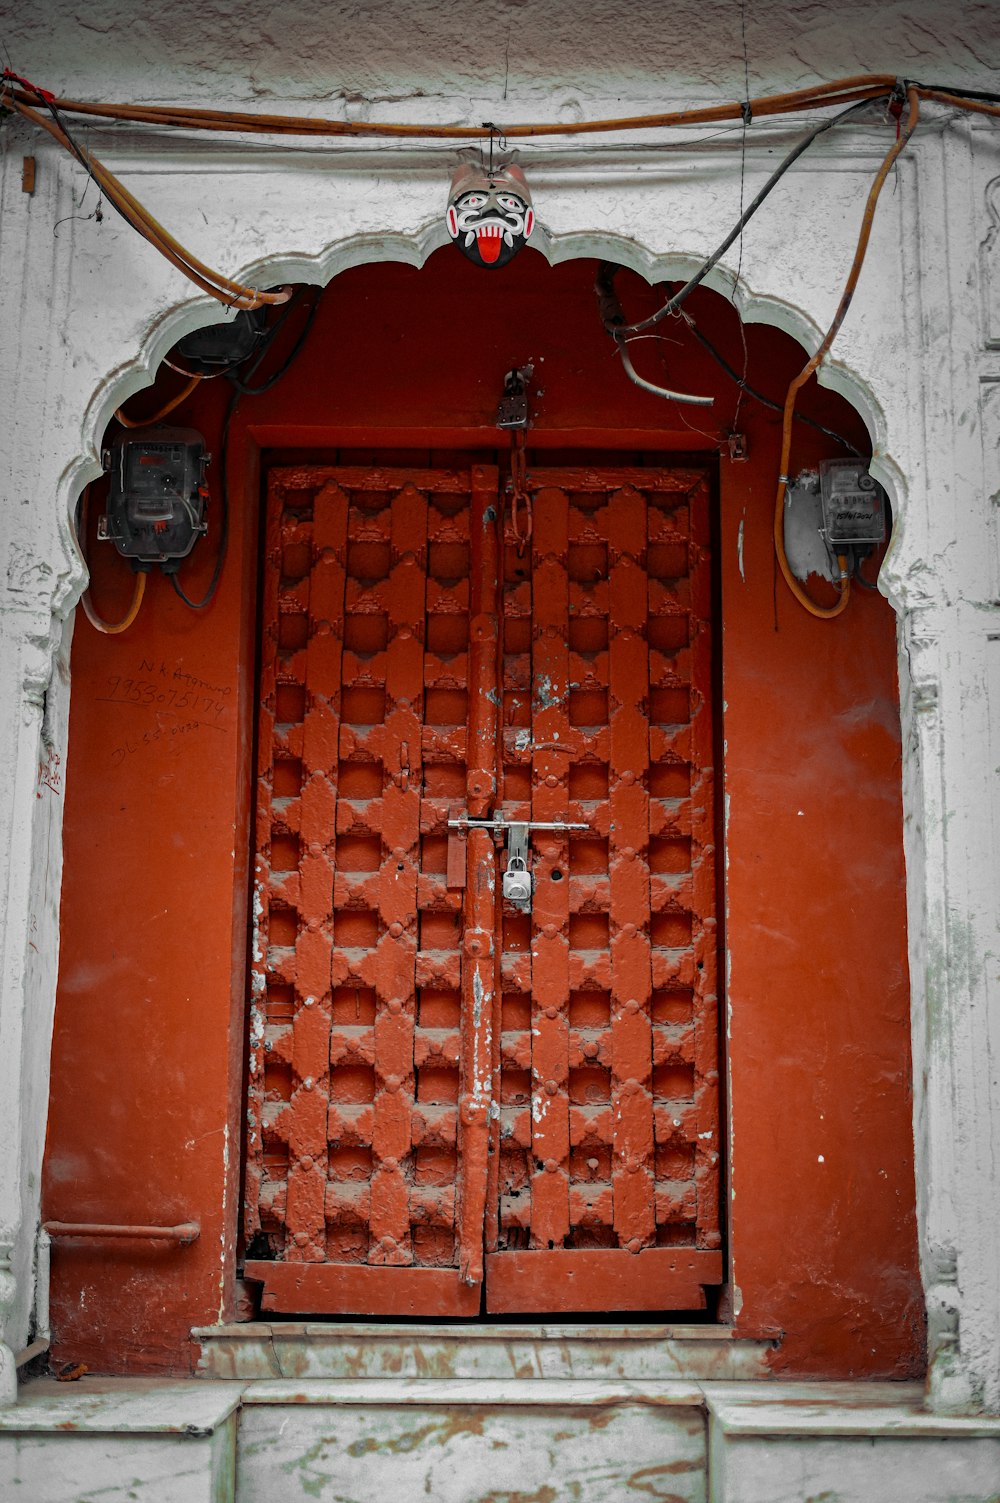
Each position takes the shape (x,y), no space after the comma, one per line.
(751,391)
(856,92)
(606,271)
(827,612)
(232,293)
(20,94)
(842,90)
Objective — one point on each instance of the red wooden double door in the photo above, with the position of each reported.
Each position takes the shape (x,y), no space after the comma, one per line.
(457,1103)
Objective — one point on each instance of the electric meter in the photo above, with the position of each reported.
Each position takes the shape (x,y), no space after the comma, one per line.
(156,504)
(853,504)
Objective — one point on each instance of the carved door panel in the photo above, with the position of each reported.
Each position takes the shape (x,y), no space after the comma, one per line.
(372,977)
(605,1171)
(434,1072)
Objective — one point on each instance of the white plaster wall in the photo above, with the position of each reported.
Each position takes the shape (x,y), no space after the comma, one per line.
(557,58)
(89,309)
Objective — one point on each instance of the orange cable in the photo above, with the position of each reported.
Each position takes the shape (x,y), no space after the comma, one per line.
(112,629)
(233,294)
(156,417)
(827,612)
(106,628)
(843,90)
(978,106)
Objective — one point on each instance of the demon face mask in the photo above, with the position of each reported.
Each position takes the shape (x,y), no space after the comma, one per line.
(489,213)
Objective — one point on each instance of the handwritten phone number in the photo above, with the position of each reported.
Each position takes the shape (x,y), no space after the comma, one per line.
(143,691)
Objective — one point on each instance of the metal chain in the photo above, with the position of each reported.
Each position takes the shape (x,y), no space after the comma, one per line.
(519,496)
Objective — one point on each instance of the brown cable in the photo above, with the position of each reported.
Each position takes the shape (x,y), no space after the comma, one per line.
(233,294)
(843,90)
(827,612)
(979,107)
(167,407)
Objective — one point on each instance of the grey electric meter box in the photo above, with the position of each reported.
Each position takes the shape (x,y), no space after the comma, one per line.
(853,504)
(156,504)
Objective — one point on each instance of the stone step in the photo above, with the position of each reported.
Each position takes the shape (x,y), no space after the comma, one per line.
(846,1442)
(493,1441)
(120,1440)
(287,1349)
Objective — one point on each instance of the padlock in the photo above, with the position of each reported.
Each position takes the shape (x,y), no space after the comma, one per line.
(518,883)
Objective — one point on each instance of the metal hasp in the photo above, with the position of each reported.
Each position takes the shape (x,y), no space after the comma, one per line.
(518,882)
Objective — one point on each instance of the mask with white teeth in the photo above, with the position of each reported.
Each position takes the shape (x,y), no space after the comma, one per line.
(489,214)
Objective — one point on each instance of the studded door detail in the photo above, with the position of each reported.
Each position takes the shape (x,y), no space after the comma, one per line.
(606,1149)
(371,1045)
(445,1091)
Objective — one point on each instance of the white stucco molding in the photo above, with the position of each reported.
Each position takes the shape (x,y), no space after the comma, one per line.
(96,309)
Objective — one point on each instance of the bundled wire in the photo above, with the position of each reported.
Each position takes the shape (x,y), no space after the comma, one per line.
(854,93)
(838,91)
(36,105)
(233,294)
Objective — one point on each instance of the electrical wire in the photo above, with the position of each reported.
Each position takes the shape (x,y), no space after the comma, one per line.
(856,573)
(109,628)
(924,89)
(827,612)
(606,271)
(106,628)
(658,391)
(233,294)
(201,375)
(751,391)
(223,550)
(164,410)
(240,390)
(269,337)
(20,94)
(839,91)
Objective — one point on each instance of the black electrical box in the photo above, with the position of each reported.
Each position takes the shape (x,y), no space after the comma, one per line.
(219,347)
(156,504)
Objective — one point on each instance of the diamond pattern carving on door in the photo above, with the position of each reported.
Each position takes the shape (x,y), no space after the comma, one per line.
(430,1074)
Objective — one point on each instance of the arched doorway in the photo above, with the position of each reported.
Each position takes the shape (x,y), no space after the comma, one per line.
(400,378)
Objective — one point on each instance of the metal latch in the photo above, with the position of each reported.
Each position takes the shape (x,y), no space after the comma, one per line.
(518,882)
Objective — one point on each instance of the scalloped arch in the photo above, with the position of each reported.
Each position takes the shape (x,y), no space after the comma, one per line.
(171,323)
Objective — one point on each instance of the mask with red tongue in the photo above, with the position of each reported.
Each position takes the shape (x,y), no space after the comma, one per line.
(489,213)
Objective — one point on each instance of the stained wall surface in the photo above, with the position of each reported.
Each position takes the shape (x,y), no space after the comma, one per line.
(145,1121)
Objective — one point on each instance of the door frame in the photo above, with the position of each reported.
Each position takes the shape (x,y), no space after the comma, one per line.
(267,447)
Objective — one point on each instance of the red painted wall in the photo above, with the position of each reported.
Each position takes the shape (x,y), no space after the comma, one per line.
(147,1059)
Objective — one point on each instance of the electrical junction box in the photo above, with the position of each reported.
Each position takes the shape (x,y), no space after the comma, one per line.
(156,505)
(853,504)
(220,347)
